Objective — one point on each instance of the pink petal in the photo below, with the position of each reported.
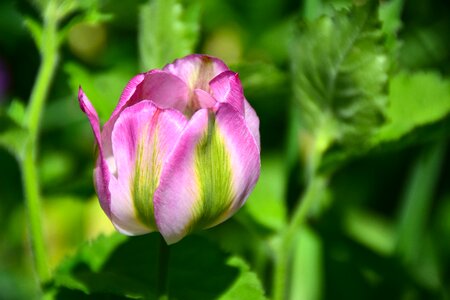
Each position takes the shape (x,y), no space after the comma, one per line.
(123,212)
(226,87)
(178,192)
(164,89)
(204,99)
(244,153)
(252,121)
(127,94)
(143,136)
(196,70)
(101,171)
(179,204)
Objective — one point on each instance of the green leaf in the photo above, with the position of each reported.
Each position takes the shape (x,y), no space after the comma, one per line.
(167,30)
(258,78)
(14,140)
(313,9)
(13,135)
(339,75)
(102,88)
(247,285)
(121,266)
(265,205)
(16,111)
(390,16)
(415,100)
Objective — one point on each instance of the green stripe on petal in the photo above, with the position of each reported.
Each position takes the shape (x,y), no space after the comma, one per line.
(146,174)
(214,175)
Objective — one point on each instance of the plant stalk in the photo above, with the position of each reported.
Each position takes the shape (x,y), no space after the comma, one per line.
(313,193)
(28,162)
(315,190)
(163,269)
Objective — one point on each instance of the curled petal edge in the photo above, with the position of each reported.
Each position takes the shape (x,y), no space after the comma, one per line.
(101,171)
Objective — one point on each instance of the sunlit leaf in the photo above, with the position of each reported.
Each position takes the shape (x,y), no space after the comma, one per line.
(313,9)
(390,17)
(167,30)
(247,286)
(339,75)
(415,99)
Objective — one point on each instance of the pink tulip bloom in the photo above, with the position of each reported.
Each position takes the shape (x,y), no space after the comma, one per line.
(180,152)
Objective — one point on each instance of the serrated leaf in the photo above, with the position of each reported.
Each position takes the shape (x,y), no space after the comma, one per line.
(415,100)
(390,17)
(121,266)
(167,30)
(247,286)
(312,9)
(103,88)
(339,75)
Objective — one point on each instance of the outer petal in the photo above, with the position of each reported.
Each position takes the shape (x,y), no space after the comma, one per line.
(244,154)
(142,137)
(196,70)
(209,175)
(252,121)
(178,191)
(127,94)
(101,171)
(163,88)
(226,87)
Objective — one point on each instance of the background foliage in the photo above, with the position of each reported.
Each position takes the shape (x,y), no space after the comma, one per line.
(354,194)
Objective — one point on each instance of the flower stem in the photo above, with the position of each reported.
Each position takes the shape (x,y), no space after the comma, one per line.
(315,190)
(312,194)
(28,164)
(163,269)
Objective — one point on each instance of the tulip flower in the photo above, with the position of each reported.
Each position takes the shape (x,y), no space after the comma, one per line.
(180,152)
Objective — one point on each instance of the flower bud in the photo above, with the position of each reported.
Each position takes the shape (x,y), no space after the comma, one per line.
(180,152)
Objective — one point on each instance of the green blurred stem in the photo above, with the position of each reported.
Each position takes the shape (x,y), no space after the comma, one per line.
(315,190)
(313,193)
(418,200)
(163,269)
(49,60)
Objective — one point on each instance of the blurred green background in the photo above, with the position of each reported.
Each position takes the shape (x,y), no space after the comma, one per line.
(382,227)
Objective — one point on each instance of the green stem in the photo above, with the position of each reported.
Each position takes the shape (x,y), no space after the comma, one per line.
(49,53)
(312,194)
(316,186)
(163,269)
